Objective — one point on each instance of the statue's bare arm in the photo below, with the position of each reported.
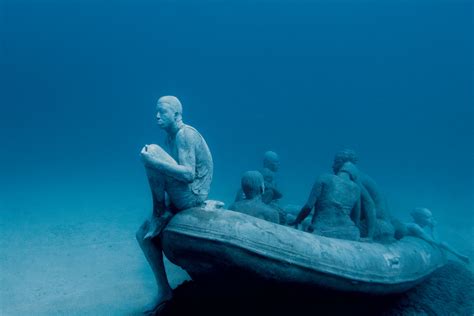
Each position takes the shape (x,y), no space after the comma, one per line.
(276,193)
(369,210)
(271,193)
(313,197)
(184,169)
(355,213)
(378,199)
(416,231)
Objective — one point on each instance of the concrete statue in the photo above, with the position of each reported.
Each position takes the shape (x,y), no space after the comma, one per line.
(253,187)
(179,179)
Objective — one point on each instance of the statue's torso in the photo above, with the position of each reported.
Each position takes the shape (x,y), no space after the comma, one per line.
(337,199)
(256,208)
(203,158)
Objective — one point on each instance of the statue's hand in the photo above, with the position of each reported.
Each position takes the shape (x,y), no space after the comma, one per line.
(146,155)
(293,223)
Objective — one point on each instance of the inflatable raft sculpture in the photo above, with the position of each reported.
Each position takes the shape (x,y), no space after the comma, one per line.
(210,242)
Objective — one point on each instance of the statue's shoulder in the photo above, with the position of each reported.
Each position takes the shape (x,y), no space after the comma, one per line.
(325,177)
(188,132)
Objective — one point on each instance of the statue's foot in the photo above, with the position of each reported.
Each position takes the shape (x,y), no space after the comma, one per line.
(465,259)
(154,228)
(156,310)
(158,306)
(156,224)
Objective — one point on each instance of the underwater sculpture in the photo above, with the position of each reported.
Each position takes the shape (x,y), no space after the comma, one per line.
(334,199)
(383,228)
(422,217)
(253,187)
(271,164)
(183,176)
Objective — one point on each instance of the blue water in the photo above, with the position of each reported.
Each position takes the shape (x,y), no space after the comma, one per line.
(391,79)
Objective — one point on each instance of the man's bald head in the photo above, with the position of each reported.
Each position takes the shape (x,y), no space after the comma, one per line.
(169,113)
(423,217)
(172,102)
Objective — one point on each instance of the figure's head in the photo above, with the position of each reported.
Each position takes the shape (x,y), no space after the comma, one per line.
(343,156)
(168,112)
(252,184)
(423,217)
(351,169)
(271,161)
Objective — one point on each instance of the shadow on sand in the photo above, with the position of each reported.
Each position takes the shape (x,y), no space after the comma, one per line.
(449,291)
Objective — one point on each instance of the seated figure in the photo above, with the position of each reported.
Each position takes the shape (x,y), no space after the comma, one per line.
(423,218)
(335,198)
(253,187)
(383,229)
(182,175)
(271,164)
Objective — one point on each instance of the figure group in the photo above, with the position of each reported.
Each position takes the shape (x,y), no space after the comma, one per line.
(346,204)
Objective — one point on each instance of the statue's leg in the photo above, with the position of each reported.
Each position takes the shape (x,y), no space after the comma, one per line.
(450,249)
(152,249)
(160,216)
(157,186)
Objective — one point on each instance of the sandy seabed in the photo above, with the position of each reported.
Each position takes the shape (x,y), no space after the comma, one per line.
(75,265)
(88,263)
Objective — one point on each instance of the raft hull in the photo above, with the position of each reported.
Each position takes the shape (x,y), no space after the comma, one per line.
(223,243)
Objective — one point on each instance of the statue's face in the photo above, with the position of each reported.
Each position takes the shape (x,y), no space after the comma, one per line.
(273,165)
(272,162)
(165,115)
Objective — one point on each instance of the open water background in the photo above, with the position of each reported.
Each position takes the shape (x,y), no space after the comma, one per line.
(391,79)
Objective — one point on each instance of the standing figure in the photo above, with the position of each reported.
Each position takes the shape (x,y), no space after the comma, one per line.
(182,176)
(423,218)
(335,198)
(253,187)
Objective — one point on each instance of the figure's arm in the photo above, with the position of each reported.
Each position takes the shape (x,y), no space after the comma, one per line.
(416,231)
(271,193)
(184,169)
(355,213)
(267,196)
(306,209)
(276,192)
(379,200)
(369,211)
(313,219)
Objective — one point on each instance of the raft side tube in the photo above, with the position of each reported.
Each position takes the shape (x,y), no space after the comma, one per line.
(225,243)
